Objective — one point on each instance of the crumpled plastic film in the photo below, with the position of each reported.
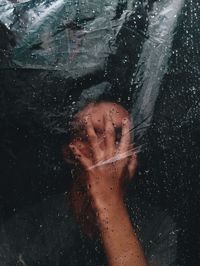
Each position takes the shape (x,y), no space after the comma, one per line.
(57,54)
(72,36)
(69,40)
(153,62)
(76,38)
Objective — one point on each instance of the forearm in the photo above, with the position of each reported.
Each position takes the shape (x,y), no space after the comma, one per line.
(118,237)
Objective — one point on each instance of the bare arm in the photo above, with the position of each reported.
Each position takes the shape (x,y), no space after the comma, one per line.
(120,242)
(105,182)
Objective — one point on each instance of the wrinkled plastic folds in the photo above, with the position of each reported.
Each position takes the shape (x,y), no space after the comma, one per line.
(94,47)
(58,55)
(76,38)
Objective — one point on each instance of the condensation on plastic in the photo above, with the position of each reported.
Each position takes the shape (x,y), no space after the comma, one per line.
(72,36)
(153,62)
(75,38)
(71,39)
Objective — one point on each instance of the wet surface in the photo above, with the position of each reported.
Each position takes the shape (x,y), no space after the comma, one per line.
(58,55)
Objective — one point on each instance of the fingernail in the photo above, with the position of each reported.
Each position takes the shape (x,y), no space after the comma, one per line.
(125,120)
(107,116)
(134,155)
(71,146)
(87,118)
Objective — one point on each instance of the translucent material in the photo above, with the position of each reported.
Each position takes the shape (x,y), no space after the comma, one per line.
(76,38)
(58,55)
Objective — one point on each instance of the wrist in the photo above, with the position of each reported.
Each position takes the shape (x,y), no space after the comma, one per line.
(105,195)
(109,203)
(109,211)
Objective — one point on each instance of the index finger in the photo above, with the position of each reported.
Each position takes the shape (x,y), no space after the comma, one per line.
(92,138)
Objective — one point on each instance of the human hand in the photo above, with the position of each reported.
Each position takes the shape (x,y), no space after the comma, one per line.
(107,166)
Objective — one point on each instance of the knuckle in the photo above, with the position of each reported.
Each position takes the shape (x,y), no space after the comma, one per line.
(110,131)
(90,130)
(92,137)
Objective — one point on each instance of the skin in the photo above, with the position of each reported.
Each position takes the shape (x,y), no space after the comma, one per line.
(98,190)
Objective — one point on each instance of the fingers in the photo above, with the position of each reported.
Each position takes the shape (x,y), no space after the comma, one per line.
(126,136)
(92,138)
(109,136)
(86,163)
(67,155)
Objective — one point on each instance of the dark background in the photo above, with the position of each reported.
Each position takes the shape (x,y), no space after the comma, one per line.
(31,165)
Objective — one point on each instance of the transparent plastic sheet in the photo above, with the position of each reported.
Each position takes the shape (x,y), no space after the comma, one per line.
(71,36)
(58,55)
(73,39)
